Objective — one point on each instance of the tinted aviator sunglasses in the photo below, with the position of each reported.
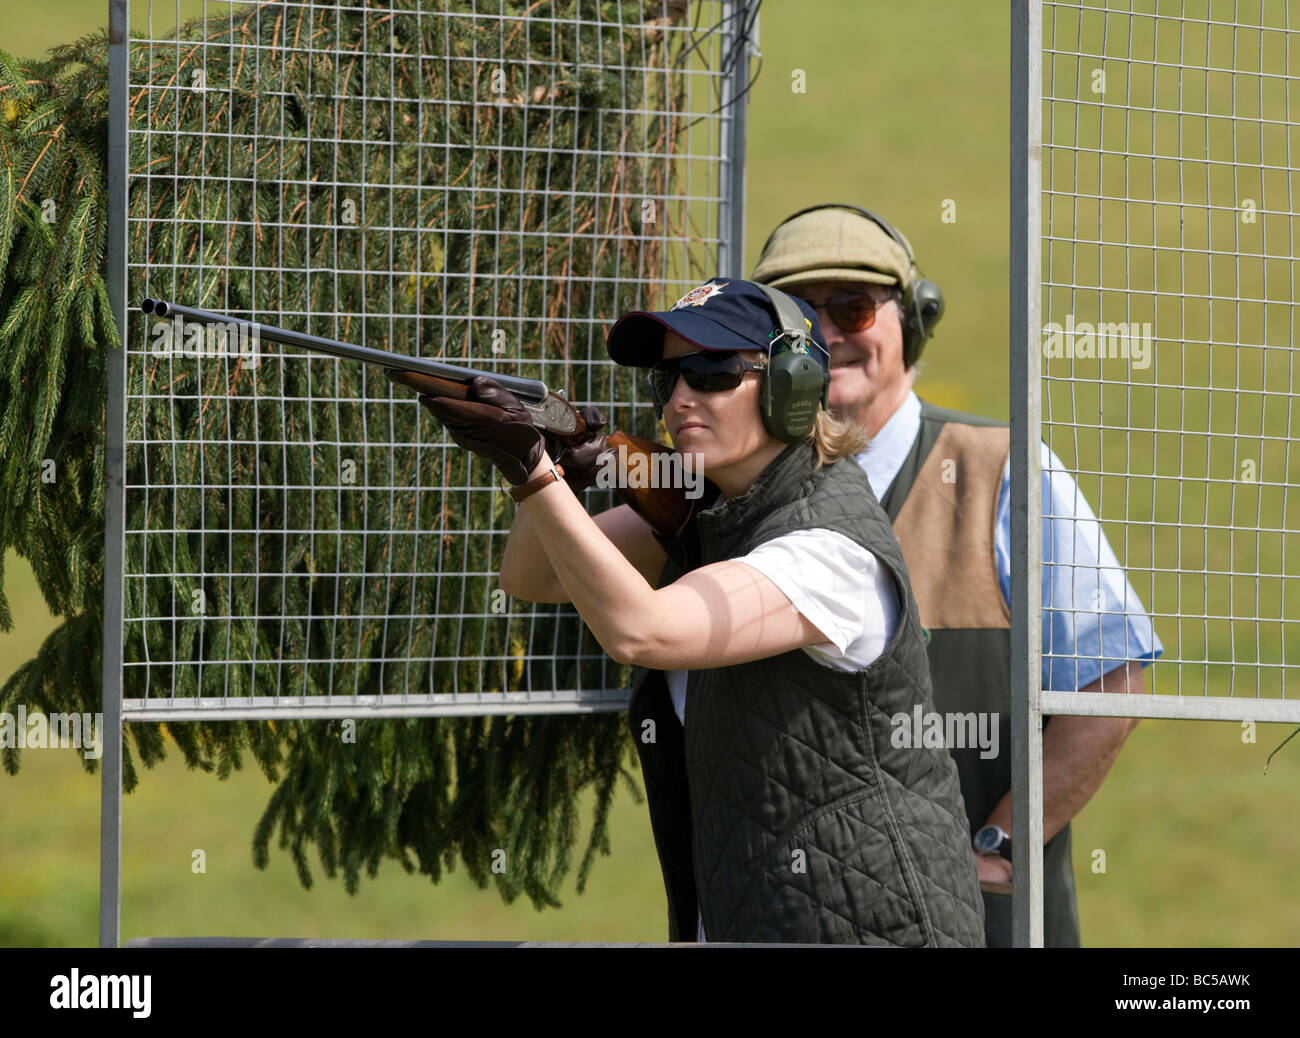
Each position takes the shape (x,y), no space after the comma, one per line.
(851,311)
(711,371)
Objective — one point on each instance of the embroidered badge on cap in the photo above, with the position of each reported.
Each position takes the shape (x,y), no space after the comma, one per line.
(699,296)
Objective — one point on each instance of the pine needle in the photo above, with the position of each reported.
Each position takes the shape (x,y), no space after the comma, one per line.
(352,191)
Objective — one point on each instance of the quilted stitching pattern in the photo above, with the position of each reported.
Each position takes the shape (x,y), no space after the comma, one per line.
(785,755)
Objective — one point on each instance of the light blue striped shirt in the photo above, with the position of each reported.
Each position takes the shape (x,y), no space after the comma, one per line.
(1093,620)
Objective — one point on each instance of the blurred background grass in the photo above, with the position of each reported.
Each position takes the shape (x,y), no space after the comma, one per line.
(905,107)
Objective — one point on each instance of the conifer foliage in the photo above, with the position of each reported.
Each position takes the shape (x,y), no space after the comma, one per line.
(407,179)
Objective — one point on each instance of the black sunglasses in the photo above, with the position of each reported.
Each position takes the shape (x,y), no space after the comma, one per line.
(851,311)
(709,371)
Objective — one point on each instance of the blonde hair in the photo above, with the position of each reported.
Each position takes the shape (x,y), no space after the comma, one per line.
(836,439)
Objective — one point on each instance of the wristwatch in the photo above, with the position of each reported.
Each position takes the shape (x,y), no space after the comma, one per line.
(993,839)
(553,475)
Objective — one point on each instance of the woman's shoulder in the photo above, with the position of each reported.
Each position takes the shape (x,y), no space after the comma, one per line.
(840,586)
(820,541)
(813,557)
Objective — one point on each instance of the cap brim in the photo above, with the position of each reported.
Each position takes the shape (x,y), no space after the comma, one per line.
(807,277)
(636,340)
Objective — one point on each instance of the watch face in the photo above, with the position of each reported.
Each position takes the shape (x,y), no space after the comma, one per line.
(987,839)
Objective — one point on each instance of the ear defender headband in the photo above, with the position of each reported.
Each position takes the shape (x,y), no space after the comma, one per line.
(922,301)
(795,384)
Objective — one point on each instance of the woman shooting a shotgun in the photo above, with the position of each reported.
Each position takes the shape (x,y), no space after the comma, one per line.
(775,637)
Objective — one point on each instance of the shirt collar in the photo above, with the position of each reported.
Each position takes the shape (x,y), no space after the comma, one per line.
(890,447)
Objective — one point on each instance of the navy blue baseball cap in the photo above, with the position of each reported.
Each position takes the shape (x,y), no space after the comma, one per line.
(722,314)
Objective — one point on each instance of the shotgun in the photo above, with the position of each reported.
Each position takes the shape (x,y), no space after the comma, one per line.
(666,509)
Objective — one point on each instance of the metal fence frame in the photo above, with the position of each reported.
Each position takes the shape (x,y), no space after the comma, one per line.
(737,29)
(110,797)
(1030,703)
(1026,488)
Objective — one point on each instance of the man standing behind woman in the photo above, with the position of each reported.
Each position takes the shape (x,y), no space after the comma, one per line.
(943,479)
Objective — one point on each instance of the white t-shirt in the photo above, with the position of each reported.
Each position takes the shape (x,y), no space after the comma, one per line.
(837,585)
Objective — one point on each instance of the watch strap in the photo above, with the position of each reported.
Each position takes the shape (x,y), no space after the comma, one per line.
(553,475)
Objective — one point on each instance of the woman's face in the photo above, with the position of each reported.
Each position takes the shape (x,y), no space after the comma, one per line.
(724,429)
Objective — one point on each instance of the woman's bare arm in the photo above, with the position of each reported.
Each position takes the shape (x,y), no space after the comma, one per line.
(720,614)
(526,570)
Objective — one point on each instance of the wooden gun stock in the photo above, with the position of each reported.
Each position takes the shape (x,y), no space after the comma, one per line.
(666,509)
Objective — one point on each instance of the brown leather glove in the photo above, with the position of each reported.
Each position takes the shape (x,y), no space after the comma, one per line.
(493,424)
(581,462)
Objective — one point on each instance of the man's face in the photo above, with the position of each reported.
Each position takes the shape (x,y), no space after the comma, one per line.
(865,364)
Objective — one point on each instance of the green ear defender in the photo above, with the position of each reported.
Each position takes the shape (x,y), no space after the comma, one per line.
(795,385)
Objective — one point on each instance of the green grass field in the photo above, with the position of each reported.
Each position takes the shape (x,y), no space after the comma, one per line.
(900,114)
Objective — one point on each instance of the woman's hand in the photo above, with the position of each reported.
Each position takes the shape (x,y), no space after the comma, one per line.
(581,461)
(493,424)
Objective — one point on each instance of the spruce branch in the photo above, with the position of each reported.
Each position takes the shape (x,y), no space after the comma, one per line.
(234,455)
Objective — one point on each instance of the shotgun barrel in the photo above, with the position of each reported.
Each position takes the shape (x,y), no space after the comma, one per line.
(667,510)
(550,411)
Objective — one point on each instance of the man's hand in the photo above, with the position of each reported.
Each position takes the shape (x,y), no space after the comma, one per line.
(493,424)
(994,870)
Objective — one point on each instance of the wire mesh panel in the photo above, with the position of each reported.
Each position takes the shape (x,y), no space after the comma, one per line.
(1169,374)
(487,182)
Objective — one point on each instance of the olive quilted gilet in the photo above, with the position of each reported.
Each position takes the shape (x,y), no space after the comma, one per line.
(784,810)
